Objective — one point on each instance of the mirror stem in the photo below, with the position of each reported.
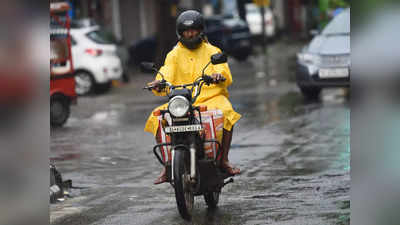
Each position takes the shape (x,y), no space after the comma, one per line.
(202,73)
(158,72)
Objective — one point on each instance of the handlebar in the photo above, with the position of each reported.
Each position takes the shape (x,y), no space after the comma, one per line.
(205,78)
(197,85)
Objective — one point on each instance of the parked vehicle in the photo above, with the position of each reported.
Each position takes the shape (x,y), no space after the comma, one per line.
(143,50)
(193,169)
(122,50)
(95,59)
(325,62)
(254,20)
(229,33)
(62,82)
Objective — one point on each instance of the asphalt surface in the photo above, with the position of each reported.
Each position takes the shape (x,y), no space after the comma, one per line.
(294,154)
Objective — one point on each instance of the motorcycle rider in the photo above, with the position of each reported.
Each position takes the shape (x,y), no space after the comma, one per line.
(182,65)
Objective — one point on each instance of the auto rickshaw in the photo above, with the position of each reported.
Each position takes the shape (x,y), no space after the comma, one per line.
(62,82)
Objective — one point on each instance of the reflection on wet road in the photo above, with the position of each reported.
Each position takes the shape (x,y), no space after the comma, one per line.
(294,154)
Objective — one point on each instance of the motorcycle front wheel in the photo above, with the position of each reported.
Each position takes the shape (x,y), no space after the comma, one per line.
(183,191)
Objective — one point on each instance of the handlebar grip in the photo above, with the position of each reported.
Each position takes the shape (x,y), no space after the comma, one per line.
(208,79)
(160,86)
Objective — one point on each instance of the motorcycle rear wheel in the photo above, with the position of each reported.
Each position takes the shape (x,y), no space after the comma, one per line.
(183,192)
(212,199)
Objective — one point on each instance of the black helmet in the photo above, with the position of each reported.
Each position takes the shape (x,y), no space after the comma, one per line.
(190,19)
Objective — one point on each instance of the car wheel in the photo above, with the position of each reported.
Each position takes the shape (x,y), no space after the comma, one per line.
(84,83)
(311,92)
(59,110)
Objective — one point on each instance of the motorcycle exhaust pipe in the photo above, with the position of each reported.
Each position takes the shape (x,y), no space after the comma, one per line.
(192,162)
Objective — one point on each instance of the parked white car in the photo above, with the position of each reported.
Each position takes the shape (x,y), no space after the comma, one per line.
(254,19)
(95,60)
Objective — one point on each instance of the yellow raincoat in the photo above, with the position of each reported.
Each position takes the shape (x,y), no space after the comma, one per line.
(183,66)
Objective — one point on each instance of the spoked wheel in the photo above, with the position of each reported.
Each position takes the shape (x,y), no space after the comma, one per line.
(183,191)
(212,199)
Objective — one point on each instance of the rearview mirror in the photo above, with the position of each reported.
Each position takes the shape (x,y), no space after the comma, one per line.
(219,58)
(147,67)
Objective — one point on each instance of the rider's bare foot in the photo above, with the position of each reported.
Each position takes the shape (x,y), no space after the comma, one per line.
(162,177)
(229,168)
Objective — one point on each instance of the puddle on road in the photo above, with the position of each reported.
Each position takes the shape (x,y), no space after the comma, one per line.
(261,109)
(311,166)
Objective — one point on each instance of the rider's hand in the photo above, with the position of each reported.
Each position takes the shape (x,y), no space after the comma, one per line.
(217,77)
(156,84)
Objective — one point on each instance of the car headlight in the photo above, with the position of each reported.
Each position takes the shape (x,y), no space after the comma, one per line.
(307,58)
(178,106)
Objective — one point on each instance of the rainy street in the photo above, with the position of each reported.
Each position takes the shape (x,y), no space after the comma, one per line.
(294,154)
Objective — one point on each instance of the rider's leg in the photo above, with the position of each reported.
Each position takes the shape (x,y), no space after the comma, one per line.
(226,145)
(163,175)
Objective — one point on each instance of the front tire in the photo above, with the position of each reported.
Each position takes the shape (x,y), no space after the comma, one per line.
(183,191)
(59,110)
(311,93)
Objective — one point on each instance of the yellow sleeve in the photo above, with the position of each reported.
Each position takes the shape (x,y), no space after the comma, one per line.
(168,70)
(222,69)
(226,72)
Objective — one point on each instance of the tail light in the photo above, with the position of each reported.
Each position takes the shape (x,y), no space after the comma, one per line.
(268,19)
(94,52)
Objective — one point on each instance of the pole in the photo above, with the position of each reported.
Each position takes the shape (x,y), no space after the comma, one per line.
(264,43)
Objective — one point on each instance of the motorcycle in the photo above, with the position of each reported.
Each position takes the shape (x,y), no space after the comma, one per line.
(190,172)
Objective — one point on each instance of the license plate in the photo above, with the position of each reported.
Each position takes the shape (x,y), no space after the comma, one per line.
(187,128)
(333,73)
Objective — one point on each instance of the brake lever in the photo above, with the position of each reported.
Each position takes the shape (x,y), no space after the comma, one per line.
(149,88)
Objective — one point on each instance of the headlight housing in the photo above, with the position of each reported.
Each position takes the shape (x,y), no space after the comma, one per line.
(308,58)
(178,106)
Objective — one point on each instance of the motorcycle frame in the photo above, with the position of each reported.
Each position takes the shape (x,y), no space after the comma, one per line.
(186,141)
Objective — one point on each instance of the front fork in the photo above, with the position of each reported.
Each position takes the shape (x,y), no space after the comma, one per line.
(192,151)
(192,162)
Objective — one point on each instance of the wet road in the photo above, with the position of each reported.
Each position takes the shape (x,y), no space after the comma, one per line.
(294,154)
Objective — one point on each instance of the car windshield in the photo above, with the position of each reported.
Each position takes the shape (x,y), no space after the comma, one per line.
(340,25)
(101,37)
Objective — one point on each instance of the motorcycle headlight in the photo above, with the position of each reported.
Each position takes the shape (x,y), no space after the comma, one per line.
(178,106)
